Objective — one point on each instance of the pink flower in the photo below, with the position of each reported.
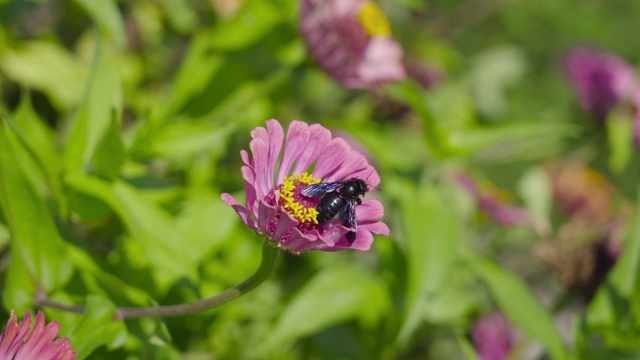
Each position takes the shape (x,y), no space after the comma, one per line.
(601,80)
(492,337)
(275,175)
(350,40)
(19,341)
(488,200)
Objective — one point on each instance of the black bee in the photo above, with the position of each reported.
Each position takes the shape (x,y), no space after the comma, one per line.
(338,197)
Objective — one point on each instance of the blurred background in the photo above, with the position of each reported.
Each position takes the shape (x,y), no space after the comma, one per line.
(508,158)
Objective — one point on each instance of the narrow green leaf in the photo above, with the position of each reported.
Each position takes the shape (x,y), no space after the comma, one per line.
(110,153)
(41,248)
(106,15)
(467,348)
(97,327)
(620,125)
(350,291)
(104,99)
(48,67)
(155,231)
(610,312)
(521,306)
(432,233)
(40,141)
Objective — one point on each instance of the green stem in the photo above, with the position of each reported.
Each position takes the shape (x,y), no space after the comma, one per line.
(269,258)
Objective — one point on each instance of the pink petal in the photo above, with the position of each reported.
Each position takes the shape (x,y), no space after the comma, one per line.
(260,151)
(335,153)
(374,226)
(266,212)
(242,211)
(369,209)
(285,224)
(297,141)
(9,335)
(276,138)
(318,140)
(354,162)
(382,62)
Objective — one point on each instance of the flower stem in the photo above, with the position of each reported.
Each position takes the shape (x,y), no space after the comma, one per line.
(269,258)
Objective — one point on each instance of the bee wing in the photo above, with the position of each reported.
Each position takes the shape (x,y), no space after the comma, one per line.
(317,190)
(348,217)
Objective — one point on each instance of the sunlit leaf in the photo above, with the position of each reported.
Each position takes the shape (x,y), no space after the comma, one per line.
(39,250)
(334,295)
(520,305)
(48,67)
(97,327)
(432,232)
(102,105)
(105,13)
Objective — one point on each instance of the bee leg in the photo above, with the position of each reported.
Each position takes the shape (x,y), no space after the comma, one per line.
(351,237)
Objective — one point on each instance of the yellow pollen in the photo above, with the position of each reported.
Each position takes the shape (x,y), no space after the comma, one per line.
(294,208)
(373,20)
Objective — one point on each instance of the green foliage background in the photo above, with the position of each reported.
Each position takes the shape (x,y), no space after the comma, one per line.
(121,126)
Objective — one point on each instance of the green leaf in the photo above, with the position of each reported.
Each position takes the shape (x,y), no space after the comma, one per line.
(180,141)
(97,327)
(102,105)
(620,125)
(43,163)
(181,15)
(106,15)
(467,348)
(411,94)
(536,190)
(110,153)
(154,230)
(432,233)
(254,20)
(39,251)
(48,67)
(344,292)
(521,306)
(614,311)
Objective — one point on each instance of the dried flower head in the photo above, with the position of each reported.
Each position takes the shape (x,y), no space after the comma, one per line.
(280,168)
(19,341)
(351,40)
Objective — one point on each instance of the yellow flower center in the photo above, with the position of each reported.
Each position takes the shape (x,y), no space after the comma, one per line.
(290,193)
(373,20)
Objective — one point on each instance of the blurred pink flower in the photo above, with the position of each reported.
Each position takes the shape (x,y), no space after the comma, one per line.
(19,341)
(492,337)
(350,40)
(600,79)
(425,73)
(275,175)
(489,202)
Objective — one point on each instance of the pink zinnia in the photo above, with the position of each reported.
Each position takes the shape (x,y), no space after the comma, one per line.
(350,39)
(492,337)
(280,168)
(19,341)
(488,200)
(601,80)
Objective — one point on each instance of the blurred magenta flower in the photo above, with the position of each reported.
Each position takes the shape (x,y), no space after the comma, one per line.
(350,40)
(280,168)
(600,79)
(493,337)
(19,341)
(491,202)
